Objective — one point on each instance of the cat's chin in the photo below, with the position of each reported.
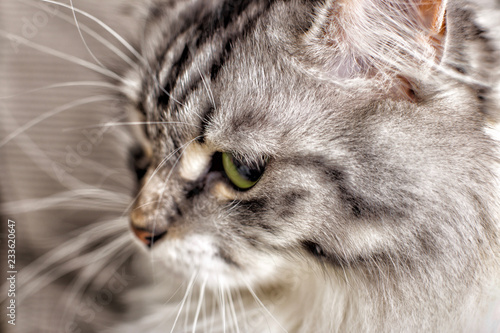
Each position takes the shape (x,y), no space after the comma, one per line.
(197,258)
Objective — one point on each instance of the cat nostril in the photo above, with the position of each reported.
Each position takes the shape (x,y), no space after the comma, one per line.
(148,237)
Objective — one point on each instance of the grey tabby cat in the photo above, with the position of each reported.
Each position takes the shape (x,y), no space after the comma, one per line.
(315,166)
(334,155)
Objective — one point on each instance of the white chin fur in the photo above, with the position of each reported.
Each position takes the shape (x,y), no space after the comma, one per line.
(197,254)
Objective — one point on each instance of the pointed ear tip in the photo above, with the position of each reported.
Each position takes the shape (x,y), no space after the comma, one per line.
(432,20)
(433,15)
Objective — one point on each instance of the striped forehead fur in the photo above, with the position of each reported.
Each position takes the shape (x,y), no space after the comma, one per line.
(381,40)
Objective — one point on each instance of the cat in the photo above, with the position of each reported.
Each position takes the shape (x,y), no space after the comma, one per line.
(312,166)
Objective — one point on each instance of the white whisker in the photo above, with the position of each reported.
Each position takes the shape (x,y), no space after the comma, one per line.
(152,202)
(63,85)
(94,231)
(81,35)
(71,199)
(46,115)
(200,301)
(89,275)
(212,317)
(207,88)
(263,306)
(166,182)
(204,314)
(242,310)
(45,163)
(188,290)
(103,25)
(42,272)
(62,55)
(166,92)
(233,310)
(223,306)
(157,169)
(188,310)
(127,45)
(131,123)
(92,33)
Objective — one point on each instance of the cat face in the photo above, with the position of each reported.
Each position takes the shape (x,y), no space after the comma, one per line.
(259,168)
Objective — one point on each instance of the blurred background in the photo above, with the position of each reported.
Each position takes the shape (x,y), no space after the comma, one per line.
(61,168)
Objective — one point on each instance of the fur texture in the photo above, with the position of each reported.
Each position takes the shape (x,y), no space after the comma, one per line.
(387,207)
(379,206)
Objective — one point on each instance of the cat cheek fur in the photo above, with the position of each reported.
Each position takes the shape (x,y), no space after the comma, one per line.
(192,212)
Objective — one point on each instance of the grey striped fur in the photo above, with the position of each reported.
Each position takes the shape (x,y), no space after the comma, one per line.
(375,213)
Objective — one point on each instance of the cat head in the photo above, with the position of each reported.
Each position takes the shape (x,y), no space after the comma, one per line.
(349,134)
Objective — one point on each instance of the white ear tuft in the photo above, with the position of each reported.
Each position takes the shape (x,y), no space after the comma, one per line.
(367,38)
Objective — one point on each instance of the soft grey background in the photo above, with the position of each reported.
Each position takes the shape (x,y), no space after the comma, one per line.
(52,171)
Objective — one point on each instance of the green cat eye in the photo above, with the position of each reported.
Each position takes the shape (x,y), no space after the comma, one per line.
(241,174)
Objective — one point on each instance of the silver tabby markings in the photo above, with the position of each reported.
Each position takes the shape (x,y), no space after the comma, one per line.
(369,118)
(330,165)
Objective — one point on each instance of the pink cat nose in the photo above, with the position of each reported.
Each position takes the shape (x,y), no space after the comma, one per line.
(148,237)
(145,233)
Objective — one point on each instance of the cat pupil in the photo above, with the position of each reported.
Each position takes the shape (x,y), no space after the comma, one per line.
(249,172)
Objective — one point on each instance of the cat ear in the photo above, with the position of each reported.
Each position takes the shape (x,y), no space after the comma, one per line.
(398,39)
(432,17)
